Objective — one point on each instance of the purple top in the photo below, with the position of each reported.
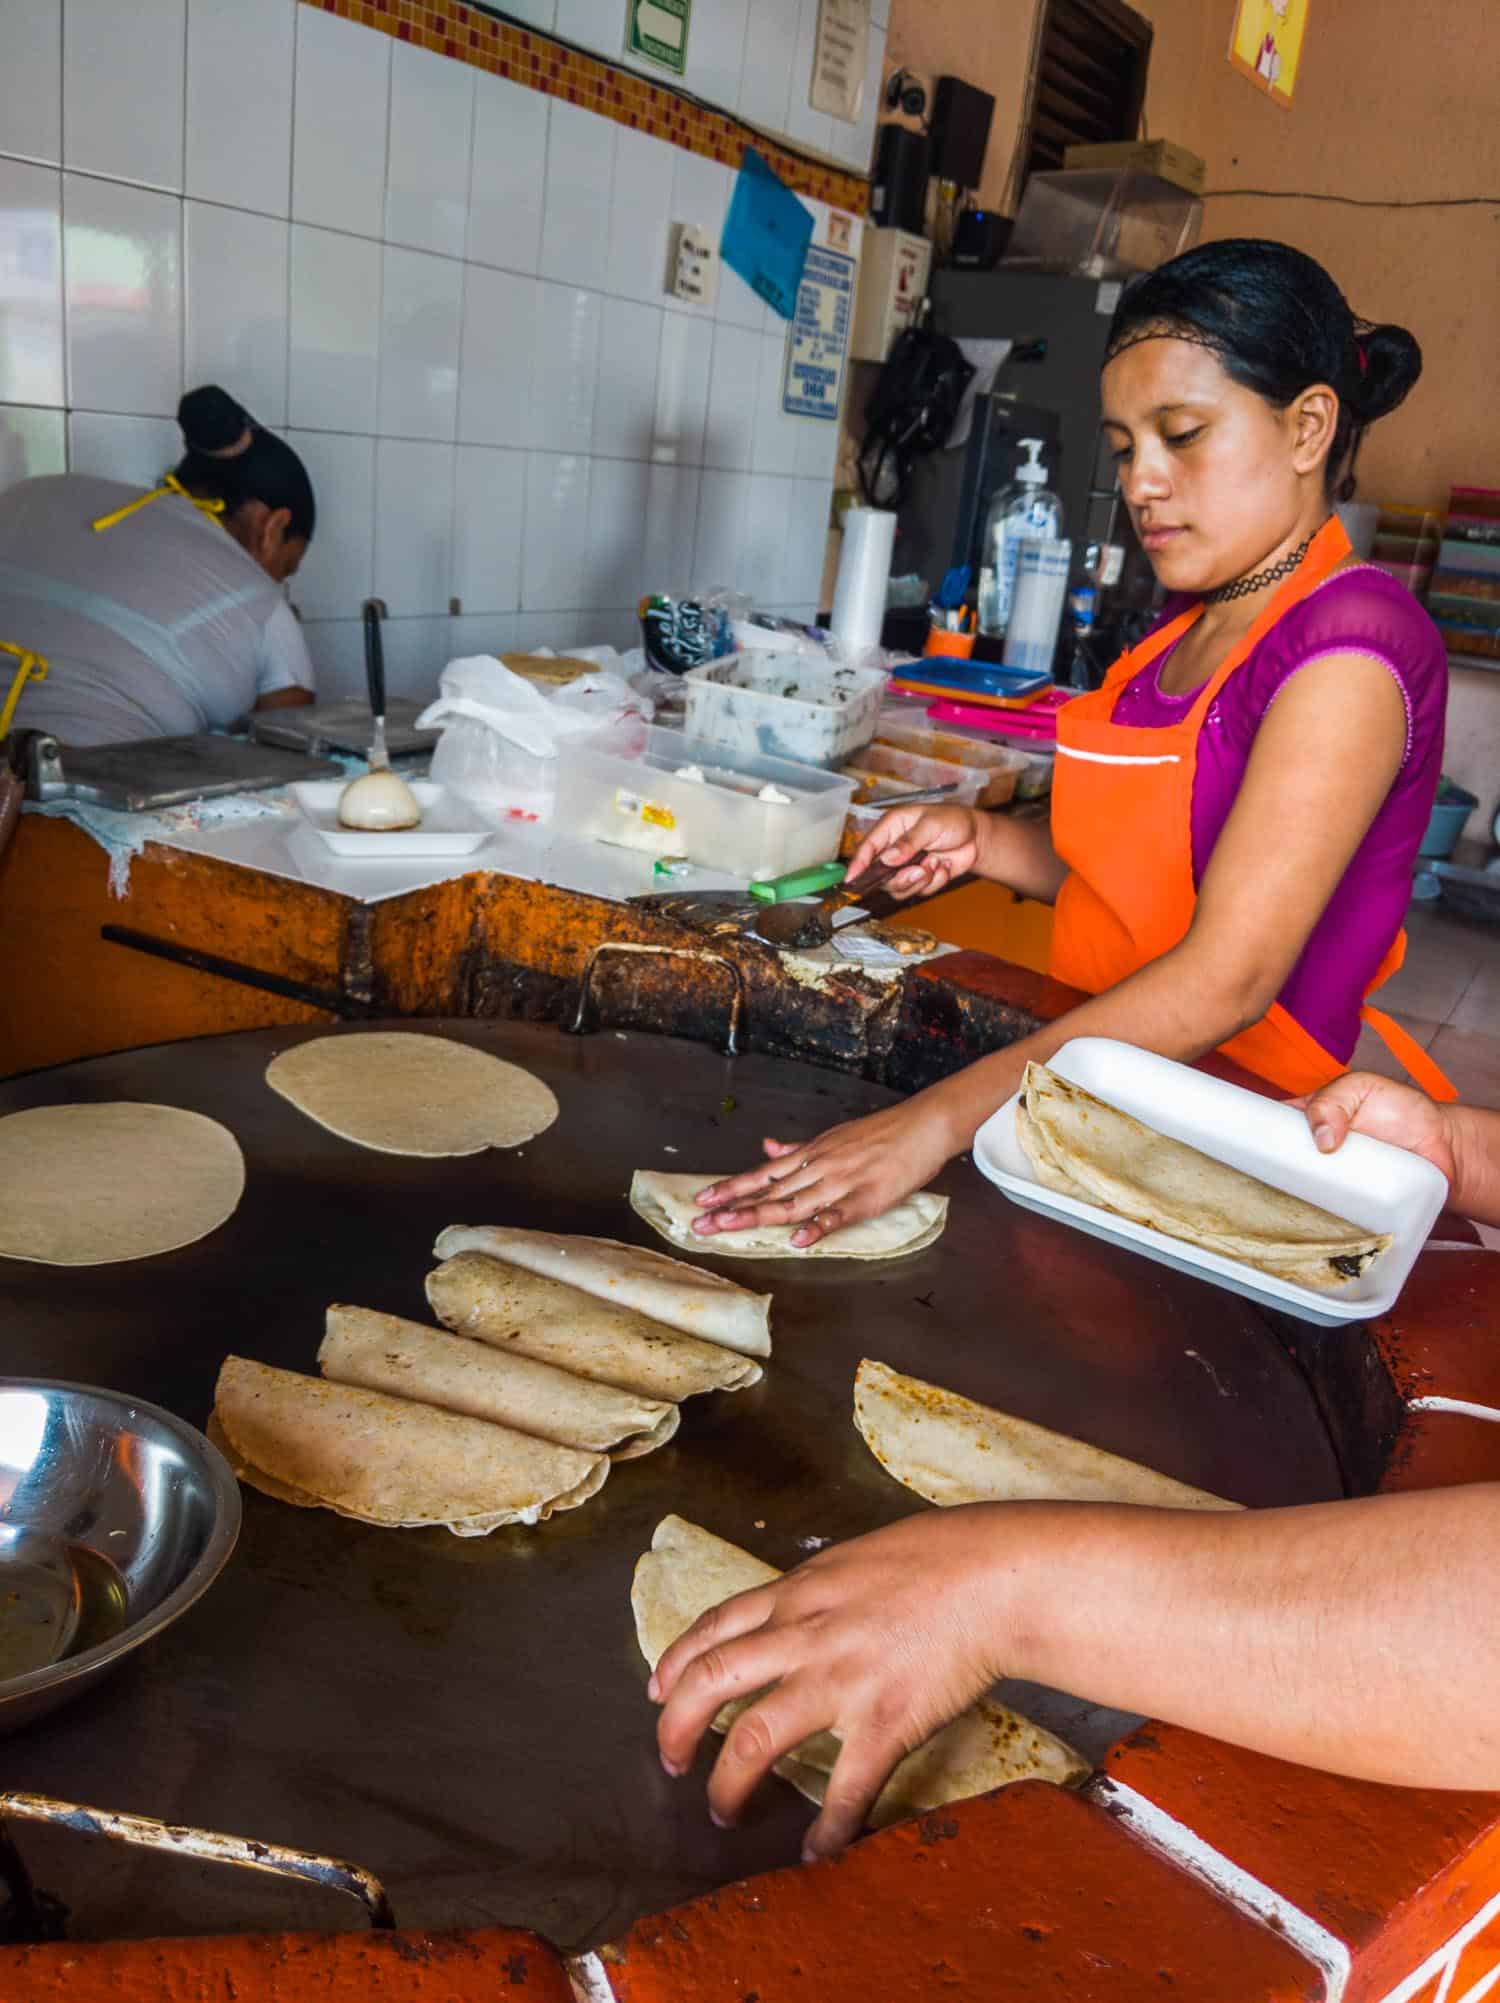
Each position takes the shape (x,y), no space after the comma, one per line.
(1359,611)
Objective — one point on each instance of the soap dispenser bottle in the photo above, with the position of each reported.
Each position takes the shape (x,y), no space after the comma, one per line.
(1026,510)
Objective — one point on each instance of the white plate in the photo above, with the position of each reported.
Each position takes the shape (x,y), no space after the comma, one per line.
(1377,1187)
(450,826)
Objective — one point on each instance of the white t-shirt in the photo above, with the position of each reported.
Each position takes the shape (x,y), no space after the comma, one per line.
(158,627)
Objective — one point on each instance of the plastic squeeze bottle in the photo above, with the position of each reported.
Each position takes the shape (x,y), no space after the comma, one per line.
(1025,511)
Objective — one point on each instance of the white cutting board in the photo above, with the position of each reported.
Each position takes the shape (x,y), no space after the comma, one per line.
(1377,1187)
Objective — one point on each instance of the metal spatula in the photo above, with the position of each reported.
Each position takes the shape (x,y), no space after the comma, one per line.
(808,926)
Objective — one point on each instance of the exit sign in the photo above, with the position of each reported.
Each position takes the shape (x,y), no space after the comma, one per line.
(658,30)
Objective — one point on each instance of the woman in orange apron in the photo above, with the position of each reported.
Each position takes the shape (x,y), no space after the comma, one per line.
(1236,811)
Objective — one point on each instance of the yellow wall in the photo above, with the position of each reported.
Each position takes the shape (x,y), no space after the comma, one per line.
(1398,98)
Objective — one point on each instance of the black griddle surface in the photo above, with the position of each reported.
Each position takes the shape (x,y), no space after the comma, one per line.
(467,1719)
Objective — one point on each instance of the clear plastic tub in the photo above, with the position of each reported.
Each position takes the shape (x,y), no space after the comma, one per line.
(1101,223)
(1002,765)
(646,802)
(783,706)
(887,762)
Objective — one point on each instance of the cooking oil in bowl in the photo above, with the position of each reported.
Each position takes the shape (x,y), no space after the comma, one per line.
(56,1600)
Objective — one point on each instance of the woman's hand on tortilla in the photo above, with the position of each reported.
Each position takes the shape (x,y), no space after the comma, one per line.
(835,1648)
(953,838)
(853,1172)
(1363,1103)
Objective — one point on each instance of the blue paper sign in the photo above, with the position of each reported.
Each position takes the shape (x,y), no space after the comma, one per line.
(766,235)
(819,337)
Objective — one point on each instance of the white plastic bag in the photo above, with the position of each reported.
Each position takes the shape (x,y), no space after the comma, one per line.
(501,734)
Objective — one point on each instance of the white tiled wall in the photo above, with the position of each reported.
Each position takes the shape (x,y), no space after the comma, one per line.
(446,289)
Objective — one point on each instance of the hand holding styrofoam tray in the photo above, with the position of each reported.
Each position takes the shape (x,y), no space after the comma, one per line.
(1367,1182)
(449,825)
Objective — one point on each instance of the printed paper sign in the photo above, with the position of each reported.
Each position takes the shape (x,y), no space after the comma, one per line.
(1266,44)
(838,78)
(658,30)
(819,337)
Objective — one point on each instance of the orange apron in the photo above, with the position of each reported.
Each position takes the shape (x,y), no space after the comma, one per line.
(1122,807)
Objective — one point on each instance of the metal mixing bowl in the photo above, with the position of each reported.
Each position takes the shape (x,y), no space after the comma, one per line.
(114,1517)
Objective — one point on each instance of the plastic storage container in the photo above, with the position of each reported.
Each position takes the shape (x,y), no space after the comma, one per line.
(1002,766)
(885,762)
(645,802)
(1102,224)
(775,706)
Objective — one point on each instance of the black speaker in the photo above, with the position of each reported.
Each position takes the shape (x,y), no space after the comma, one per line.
(961,119)
(898,193)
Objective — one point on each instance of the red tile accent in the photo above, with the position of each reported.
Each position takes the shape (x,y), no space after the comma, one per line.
(1031,1892)
(1393,1872)
(1442,1338)
(1442,1449)
(493,1966)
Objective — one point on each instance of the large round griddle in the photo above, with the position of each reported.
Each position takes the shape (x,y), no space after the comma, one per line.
(468,1719)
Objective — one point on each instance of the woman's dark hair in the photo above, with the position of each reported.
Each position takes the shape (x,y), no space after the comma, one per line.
(230,458)
(1278,324)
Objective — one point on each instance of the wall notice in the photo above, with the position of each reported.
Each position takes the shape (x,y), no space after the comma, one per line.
(1266,44)
(658,30)
(838,78)
(819,336)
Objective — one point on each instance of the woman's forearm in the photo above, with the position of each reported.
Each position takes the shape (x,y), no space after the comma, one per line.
(1475,1135)
(1362,1637)
(1019,854)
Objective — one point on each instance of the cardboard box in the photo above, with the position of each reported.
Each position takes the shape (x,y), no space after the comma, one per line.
(1154,156)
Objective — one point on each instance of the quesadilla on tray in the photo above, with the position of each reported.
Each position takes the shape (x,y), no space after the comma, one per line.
(381,1352)
(526,1314)
(950,1450)
(688,1570)
(669,1204)
(386,1461)
(1083,1148)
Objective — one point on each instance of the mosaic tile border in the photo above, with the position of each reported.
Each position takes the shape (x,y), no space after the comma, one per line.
(529,57)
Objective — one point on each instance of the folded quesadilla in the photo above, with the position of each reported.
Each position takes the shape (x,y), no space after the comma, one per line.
(382,1352)
(951,1450)
(526,1314)
(386,1461)
(669,1204)
(668,1290)
(688,1570)
(1083,1148)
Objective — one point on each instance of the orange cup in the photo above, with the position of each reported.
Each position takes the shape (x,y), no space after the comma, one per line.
(957,646)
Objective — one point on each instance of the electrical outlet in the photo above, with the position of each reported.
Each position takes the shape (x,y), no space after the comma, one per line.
(692,265)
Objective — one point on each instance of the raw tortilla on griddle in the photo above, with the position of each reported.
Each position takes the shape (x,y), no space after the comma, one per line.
(668,1290)
(688,1570)
(950,1450)
(1083,1148)
(400,1092)
(669,1204)
(382,1352)
(386,1461)
(526,1314)
(92,1185)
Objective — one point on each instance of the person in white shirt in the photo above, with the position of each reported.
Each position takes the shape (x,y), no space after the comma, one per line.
(162,613)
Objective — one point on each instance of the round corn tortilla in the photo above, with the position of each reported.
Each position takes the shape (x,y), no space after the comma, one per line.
(688,1570)
(92,1185)
(406,1094)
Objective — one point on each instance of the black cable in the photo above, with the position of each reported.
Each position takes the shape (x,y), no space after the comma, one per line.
(1352,201)
(677,89)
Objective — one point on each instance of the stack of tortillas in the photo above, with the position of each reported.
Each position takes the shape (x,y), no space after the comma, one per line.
(951,1450)
(669,1205)
(512,1411)
(1083,1148)
(688,1570)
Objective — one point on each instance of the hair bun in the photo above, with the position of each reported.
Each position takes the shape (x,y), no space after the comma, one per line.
(210,420)
(1390,364)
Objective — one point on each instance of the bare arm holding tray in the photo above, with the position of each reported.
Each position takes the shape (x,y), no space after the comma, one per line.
(1360,1637)
(1462,1141)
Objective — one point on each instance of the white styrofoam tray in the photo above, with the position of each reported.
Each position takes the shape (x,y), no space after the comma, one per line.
(450,826)
(1377,1187)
